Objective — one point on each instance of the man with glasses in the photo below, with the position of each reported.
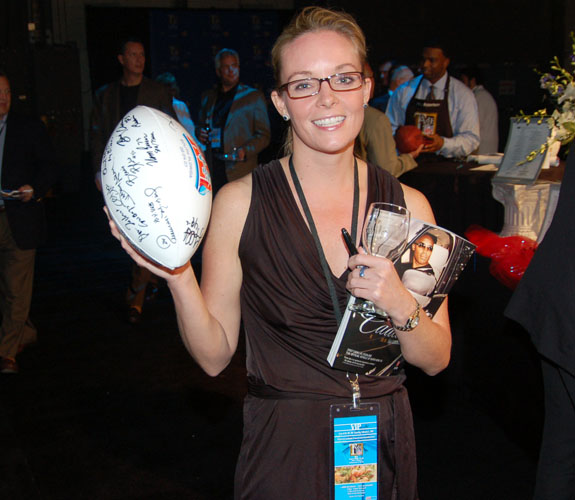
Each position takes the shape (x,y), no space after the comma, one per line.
(417,275)
(233,122)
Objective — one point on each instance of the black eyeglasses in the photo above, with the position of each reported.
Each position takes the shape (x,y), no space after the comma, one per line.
(340,82)
(423,245)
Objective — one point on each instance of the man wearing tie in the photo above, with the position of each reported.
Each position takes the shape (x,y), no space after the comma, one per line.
(443,108)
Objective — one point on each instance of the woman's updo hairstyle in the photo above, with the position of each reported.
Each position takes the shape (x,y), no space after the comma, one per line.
(309,20)
(312,19)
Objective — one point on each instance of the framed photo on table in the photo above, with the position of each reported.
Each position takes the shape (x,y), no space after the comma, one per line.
(524,139)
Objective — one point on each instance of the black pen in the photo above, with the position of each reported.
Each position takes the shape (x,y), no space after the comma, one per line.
(348,242)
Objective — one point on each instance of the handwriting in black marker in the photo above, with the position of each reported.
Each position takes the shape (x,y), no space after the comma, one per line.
(127,222)
(120,198)
(159,210)
(135,122)
(148,142)
(141,235)
(121,140)
(151,160)
(193,233)
(122,127)
(163,241)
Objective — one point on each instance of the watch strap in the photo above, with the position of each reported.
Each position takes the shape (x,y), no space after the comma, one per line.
(412,321)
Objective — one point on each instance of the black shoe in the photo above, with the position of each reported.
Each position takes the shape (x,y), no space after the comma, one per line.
(134,316)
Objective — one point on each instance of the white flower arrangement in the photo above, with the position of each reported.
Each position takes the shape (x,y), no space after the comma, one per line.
(560,84)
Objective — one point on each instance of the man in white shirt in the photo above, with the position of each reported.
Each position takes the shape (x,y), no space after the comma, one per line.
(487,108)
(442,107)
(400,75)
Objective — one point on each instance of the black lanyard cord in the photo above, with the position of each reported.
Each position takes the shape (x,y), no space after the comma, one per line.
(307,212)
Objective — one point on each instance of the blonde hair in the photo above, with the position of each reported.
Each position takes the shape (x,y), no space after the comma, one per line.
(312,19)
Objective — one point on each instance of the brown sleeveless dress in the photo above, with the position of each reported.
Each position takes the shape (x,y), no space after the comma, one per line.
(290,324)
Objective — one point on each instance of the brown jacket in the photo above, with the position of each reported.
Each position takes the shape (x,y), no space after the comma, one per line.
(247,126)
(376,145)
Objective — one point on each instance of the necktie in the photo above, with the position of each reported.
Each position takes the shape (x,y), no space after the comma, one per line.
(431,95)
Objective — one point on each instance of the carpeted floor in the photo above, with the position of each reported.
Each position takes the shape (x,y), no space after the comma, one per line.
(106,410)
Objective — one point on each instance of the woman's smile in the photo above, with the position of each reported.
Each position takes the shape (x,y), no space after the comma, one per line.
(329,122)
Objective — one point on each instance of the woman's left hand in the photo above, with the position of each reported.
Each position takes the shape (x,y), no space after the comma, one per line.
(375,278)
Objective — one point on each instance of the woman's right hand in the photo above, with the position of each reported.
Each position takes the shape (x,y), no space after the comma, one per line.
(158,270)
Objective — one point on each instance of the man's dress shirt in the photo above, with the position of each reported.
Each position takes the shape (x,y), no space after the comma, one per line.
(462,107)
(488,121)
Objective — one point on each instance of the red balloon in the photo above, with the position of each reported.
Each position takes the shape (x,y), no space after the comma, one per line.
(408,138)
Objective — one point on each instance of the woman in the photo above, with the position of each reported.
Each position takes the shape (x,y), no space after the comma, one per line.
(260,263)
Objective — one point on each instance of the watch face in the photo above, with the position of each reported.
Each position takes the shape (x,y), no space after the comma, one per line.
(412,322)
(415,318)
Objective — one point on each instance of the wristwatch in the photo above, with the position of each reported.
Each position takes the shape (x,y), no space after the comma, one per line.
(411,323)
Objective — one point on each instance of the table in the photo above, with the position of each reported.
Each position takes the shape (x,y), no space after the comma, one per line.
(459,195)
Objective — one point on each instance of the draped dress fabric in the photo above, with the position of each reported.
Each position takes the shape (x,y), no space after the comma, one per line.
(290,325)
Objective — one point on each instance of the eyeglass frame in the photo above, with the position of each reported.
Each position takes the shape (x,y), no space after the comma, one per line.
(321,80)
(420,244)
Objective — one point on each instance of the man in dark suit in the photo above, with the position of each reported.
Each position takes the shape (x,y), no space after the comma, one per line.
(543,304)
(28,169)
(114,100)
(111,103)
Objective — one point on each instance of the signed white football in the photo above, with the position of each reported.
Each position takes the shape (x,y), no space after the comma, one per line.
(157,186)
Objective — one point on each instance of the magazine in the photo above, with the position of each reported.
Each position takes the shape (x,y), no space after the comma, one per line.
(428,267)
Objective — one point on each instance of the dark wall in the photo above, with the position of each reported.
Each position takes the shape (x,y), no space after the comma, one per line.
(13,19)
(493,31)
(45,81)
(184,42)
(15,53)
(105,29)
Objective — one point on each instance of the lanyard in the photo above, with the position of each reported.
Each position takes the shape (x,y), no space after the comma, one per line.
(307,212)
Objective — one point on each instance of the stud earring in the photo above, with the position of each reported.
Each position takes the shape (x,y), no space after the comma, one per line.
(285,117)
(364,105)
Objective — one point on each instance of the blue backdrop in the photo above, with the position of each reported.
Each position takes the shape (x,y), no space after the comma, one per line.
(184,43)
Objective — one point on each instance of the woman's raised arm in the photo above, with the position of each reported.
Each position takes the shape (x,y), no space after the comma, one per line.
(209,316)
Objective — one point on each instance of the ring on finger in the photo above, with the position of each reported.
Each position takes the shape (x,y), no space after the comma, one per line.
(362,272)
